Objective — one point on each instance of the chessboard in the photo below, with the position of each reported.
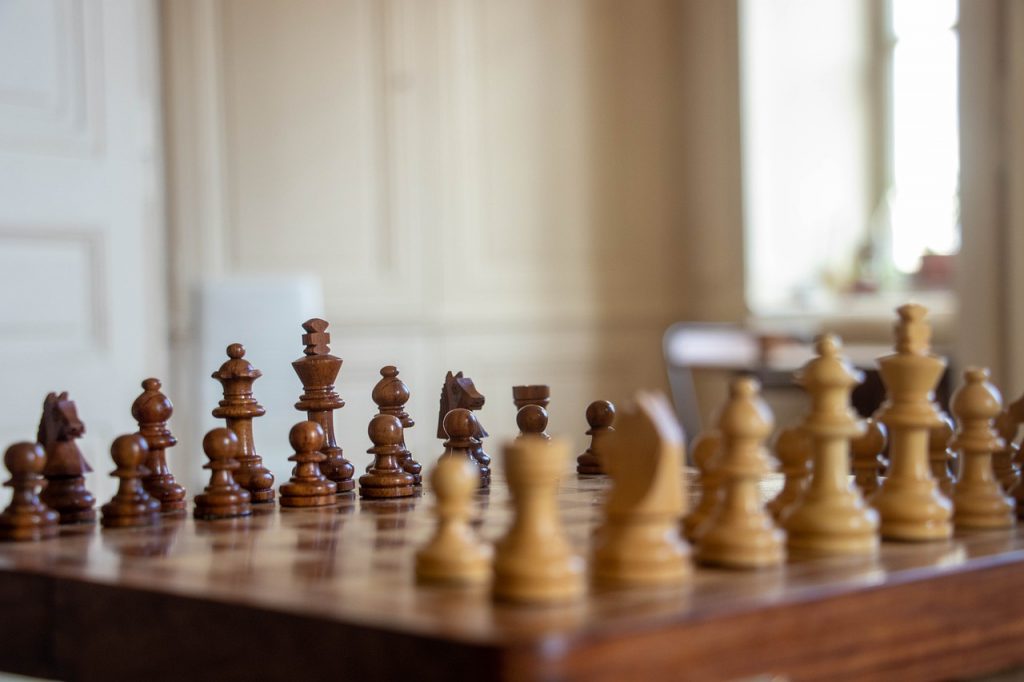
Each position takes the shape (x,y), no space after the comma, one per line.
(331,594)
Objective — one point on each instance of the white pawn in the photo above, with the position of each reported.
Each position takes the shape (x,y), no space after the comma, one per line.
(454,554)
(740,534)
(831,517)
(792,449)
(534,562)
(978,499)
(639,543)
(705,457)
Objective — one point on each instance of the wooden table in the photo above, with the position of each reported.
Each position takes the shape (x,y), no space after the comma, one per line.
(330,595)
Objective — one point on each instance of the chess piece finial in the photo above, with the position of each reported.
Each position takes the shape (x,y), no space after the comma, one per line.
(600,418)
(26,518)
(939,454)
(459,391)
(391,395)
(740,534)
(867,452)
(223,497)
(131,506)
(317,369)
(913,332)
(238,409)
(66,466)
(152,409)
(534,562)
(638,543)
(830,517)
(705,452)
(909,503)
(532,420)
(308,487)
(454,554)
(535,394)
(385,478)
(978,499)
(793,451)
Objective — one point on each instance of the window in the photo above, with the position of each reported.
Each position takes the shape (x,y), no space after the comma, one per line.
(849,151)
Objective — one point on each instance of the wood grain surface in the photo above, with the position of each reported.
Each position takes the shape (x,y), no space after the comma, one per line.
(332,592)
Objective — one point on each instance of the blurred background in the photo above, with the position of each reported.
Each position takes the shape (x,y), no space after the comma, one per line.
(529,191)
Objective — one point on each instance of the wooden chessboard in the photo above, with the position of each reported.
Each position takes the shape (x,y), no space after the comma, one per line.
(330,594)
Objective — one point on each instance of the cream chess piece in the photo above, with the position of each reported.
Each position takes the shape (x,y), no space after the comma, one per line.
(740,533)
(705,457)
(534,562)
(638,543)
(909,503)
(868,456)
(454,554)
(792,449)
(831,517)
(978,499)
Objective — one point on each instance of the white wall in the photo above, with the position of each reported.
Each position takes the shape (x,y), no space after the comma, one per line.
(497,187)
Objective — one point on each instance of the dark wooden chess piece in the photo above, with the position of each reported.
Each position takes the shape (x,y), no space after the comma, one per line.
(308,487)
(460,392)
(223,498)
(536,394)
(238,409)
(151,410)
(600,418)
(532,420)
(317,371)
(391,395)
(460,425)
(66,467)
(26,518)
(385,477)
(132,505)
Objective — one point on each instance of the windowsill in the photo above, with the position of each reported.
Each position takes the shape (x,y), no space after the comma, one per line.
(866,317)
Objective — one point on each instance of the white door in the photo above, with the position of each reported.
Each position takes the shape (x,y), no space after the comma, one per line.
(82,294)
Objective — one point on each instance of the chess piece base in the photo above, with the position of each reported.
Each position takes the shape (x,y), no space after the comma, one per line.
(640,556)
(470,565)
(744,546)
(982,508)
(29,527)
(537,580)
(309,494)
(261,496)
(230,506)
(141,515)
(840,526)
(166,491)
(69,498)
(913,512)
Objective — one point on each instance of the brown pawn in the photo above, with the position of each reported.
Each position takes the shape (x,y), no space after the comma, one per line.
(66,467)
(151,410)
(459,391)
(132,505)
(532,420)
(308,487)
(317,371)
(940,457)
(391,394)
(600,417)
(238,409)
(223,498)
(461,425)
(26,518)
(385,477)
(535,394)
(867,458)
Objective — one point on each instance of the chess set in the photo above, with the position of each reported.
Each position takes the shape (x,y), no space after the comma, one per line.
(884,548)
